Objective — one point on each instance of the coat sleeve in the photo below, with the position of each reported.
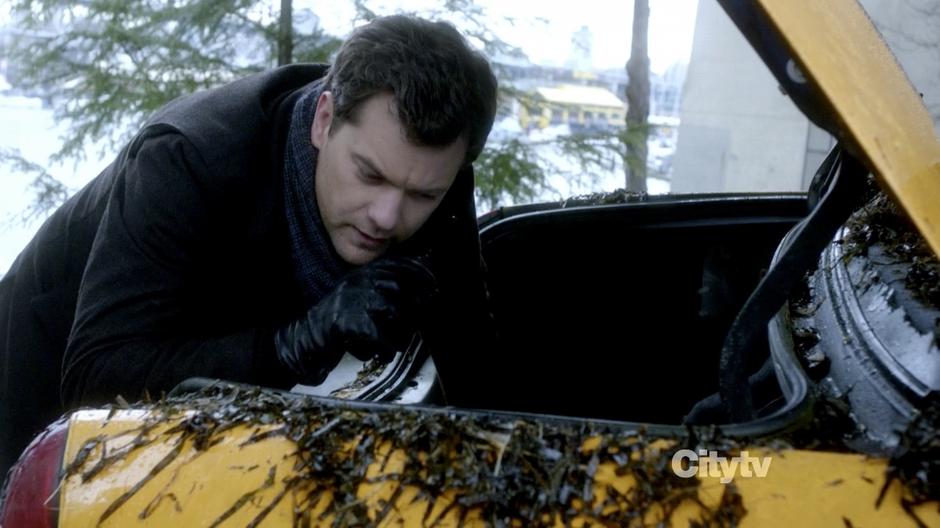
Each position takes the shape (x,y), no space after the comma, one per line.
(462,327)
(128,336)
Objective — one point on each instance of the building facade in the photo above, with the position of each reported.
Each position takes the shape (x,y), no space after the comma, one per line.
(739,132)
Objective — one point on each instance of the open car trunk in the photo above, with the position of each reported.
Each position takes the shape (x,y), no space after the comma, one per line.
(619,311)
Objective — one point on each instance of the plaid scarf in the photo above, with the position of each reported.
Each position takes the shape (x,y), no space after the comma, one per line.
(317,266)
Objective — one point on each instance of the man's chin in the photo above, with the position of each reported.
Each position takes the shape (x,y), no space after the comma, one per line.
(357,256)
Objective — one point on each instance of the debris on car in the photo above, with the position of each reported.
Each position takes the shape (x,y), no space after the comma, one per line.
(496,469)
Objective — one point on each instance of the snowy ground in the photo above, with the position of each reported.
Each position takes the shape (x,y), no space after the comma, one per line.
(30,128)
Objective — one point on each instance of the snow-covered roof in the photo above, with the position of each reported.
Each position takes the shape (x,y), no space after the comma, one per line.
(580,95)
(663,120)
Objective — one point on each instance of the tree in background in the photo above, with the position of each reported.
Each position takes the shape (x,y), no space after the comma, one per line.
(638,99)
(104,66)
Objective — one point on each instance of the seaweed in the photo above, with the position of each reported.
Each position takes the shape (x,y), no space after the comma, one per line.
(504,470)
(883,223)
(619,196)
(916,462)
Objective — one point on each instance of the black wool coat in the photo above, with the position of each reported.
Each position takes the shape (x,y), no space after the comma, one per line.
(175,262)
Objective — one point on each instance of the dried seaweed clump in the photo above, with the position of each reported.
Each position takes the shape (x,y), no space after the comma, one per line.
(881,222)
(509,471)
(619,196)
(916,462)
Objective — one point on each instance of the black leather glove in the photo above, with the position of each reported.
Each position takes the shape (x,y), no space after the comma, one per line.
(374,311)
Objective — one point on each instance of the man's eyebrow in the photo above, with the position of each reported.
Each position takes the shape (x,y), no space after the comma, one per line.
(366,163)
(362,160)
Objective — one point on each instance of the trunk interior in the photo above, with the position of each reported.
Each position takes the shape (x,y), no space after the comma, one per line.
(619,311)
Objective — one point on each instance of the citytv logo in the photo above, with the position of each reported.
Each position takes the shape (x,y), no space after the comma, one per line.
(709,464)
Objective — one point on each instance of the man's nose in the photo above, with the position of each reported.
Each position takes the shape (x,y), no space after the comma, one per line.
(386,211)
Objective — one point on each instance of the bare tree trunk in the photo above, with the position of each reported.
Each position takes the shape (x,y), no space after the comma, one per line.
(285,38)
(638,99)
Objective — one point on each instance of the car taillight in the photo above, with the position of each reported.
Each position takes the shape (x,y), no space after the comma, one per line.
(31,493)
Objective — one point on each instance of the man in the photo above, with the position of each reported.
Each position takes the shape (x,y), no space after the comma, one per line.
(257,231)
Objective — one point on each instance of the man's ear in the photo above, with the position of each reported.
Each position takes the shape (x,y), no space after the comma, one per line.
(322,120)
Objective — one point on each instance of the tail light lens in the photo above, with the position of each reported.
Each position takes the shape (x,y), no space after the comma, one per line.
(30,496)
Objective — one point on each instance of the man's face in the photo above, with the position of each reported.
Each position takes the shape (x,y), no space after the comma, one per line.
(374,187)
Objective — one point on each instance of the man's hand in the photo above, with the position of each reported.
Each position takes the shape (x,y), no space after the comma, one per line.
(374,311)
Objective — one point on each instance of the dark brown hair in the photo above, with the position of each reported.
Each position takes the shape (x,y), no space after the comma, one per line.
(442,88)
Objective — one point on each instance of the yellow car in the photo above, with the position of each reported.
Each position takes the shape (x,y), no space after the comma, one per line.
(777,365)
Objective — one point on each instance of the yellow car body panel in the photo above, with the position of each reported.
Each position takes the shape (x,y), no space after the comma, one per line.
(199,487)
(840,50)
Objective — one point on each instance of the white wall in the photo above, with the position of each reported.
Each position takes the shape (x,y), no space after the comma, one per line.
(740,133)
(912,30)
